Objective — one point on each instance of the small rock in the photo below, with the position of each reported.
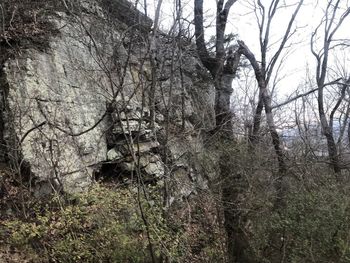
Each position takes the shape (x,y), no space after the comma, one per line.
(160,117)
(113,155)
(139,147)
(156,169)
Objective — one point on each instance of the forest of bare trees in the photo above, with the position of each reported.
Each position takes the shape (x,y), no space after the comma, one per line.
(203,131)
(263,65)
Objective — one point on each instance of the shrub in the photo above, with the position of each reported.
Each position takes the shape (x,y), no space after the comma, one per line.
(102,225)
(313,227)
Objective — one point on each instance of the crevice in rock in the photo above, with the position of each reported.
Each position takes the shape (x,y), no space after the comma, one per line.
(129,135)
(115,173)
(108,172)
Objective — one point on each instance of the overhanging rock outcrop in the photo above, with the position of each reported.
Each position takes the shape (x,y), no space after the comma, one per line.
(81,100)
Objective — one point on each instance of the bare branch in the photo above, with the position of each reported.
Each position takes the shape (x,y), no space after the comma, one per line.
(284,40)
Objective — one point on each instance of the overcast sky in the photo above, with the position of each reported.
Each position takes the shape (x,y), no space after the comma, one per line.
(242,21)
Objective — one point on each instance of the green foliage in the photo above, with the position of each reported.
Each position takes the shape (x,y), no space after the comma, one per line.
(313,223)
(313,227)
(102,225)
(106,223)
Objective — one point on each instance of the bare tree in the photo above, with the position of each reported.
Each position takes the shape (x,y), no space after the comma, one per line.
(222,67)
(263,72)
(333,18)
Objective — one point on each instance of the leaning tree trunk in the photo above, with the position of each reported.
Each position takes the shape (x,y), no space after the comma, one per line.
(331,145)
(282,169)
(254,135)
(265,102)
(327,131)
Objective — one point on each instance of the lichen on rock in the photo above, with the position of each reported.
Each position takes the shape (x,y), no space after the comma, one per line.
(82,102)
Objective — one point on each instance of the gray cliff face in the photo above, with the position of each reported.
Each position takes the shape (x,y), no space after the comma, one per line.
(82,104)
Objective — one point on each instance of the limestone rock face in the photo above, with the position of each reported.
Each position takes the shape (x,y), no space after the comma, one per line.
(83,102)
(54,99)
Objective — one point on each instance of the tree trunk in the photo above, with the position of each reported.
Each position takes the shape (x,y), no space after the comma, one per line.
(331,146)
(327,131)
(254,136)
(233,185)
(223,68)
(223,113)
(282,169)
(265,102)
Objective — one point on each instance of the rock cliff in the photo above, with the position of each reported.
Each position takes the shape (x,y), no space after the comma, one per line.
(75,83)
